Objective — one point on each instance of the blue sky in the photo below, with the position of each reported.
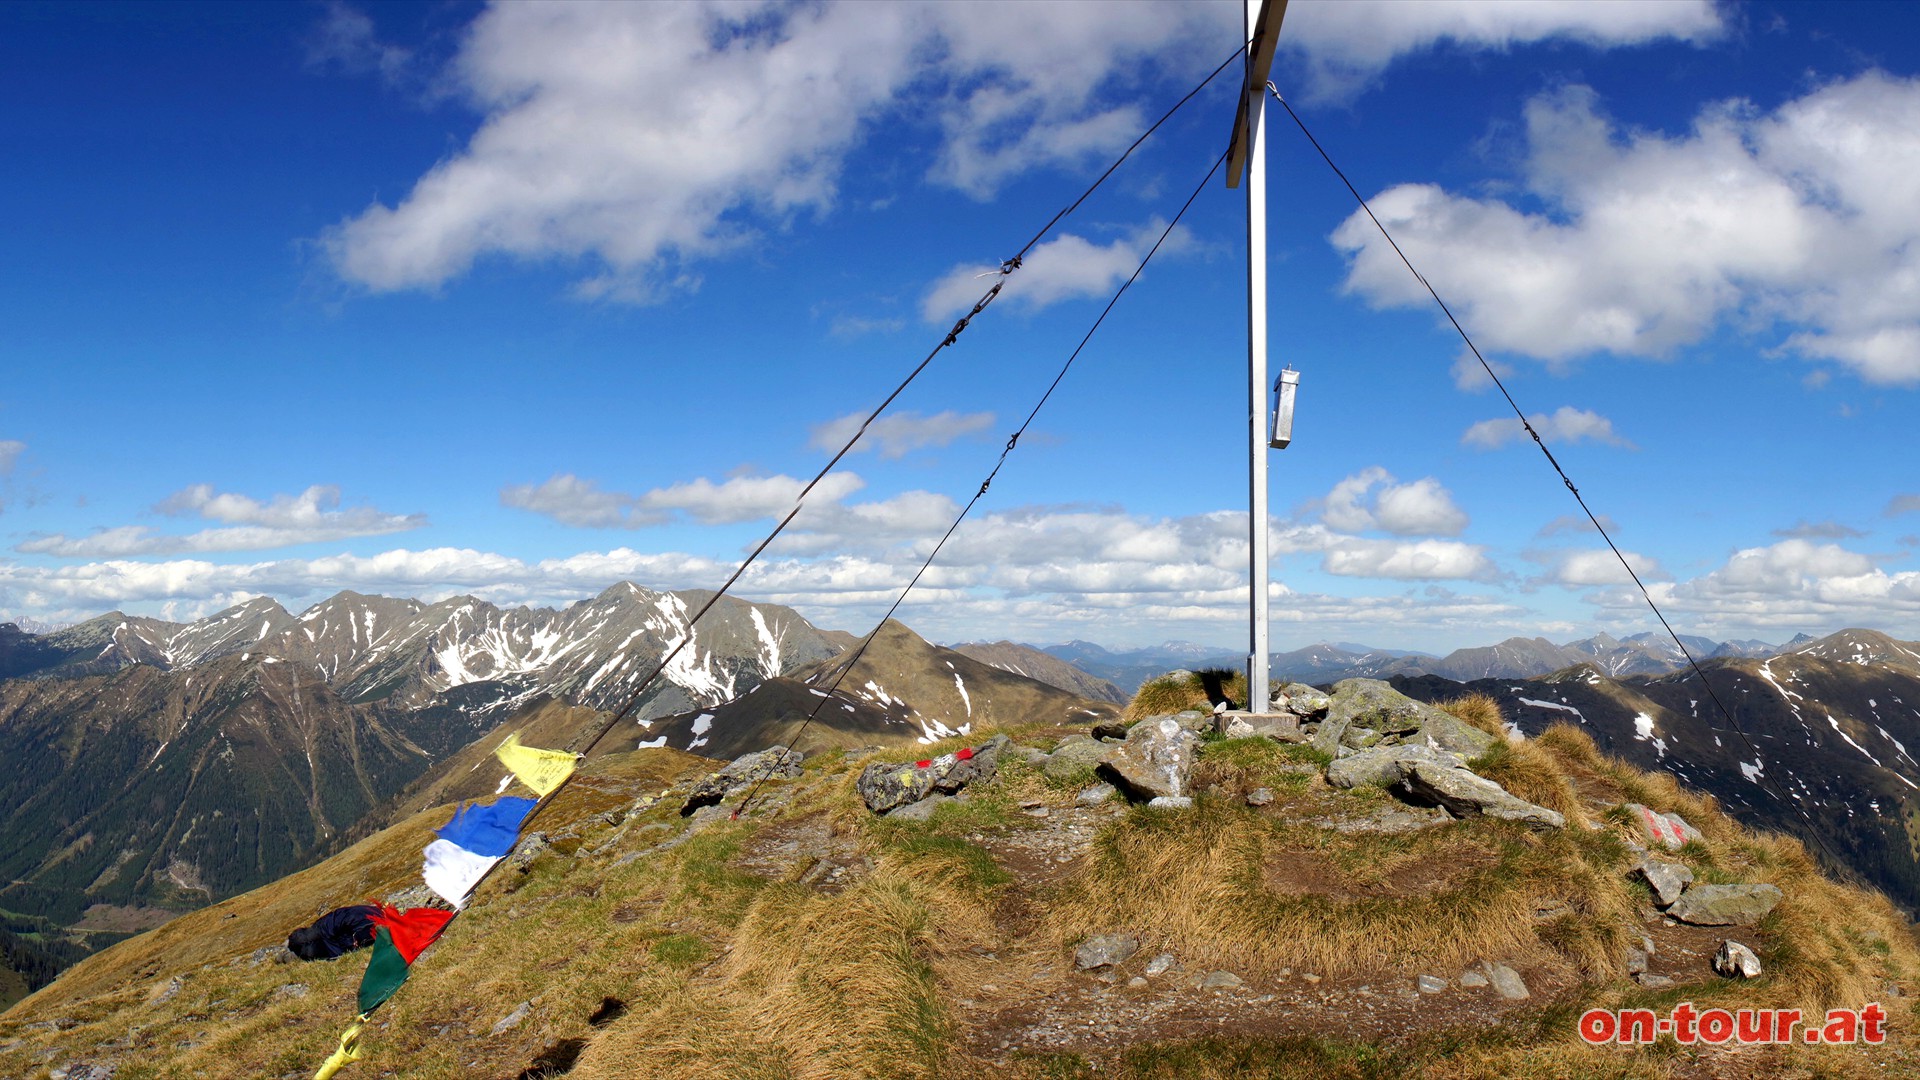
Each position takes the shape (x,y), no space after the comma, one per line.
(519,301)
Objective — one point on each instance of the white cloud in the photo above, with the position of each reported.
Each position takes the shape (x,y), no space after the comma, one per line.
(1794,584)
(1067,267)
(1419,560)
(311,517)
(1564,425)
(572,501)
(10,451)
(898,434)
(1069,567)
(1799,218)
(640,137)
(1420,508)
(1348,42)
(1599,566)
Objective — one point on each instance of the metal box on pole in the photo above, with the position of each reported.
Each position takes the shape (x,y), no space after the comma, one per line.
(1281,431)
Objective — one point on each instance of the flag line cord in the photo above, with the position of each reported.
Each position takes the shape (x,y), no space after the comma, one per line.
(1012,441)
(1759,761)
(588,739)
(583,743)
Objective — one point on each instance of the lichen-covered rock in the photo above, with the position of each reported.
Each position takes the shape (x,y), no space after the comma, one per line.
(1365,712)
(984,765)
(886,785)
(1302,701)
(742,773)
(1466,794)
(1074,755)
(1725,905)
(1155,760)
(1384,766)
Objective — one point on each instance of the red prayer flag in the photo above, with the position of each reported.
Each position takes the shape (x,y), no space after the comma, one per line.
(414,929)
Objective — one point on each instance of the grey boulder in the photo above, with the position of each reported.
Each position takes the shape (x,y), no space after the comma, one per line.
(1105,950)
(1667,880)
(1155,760)
(775,762)
(1466,794)
(1368,712)
(1075,754)
(1725,905)
(1384,766)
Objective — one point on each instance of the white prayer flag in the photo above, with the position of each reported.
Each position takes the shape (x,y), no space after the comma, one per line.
(453,871)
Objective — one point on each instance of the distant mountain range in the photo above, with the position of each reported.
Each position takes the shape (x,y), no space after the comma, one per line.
(1822,743)
(156,766)
(1514,658)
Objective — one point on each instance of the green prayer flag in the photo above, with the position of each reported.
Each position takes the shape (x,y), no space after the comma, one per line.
(386,970)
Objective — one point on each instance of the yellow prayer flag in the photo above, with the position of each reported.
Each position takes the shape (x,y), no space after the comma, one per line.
(541,770)
(349,1051)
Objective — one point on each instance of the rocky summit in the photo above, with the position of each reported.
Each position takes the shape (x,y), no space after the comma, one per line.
(1009,904)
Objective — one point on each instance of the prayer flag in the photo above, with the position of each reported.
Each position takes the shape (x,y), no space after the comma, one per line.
(349,1052)
(386,970)
(541,770)
(488,830)
(414,929)
(453,871)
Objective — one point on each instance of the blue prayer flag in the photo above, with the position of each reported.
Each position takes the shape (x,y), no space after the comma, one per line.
(489,830)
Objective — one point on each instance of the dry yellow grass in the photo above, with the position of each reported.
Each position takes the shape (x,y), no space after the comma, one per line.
(1194,690)
(722,972)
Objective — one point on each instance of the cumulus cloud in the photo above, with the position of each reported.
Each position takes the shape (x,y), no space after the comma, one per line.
(311,517)
(640,137)
(571,500)
(1346,43)
(1067,267)
(1799,219)
(1421,560)
(898,434)
(1564,425)
(1600,566)
(1421,508)
(1901,504)
(1795,583)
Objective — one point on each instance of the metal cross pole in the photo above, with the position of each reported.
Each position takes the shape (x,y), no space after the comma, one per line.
(1249,151)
